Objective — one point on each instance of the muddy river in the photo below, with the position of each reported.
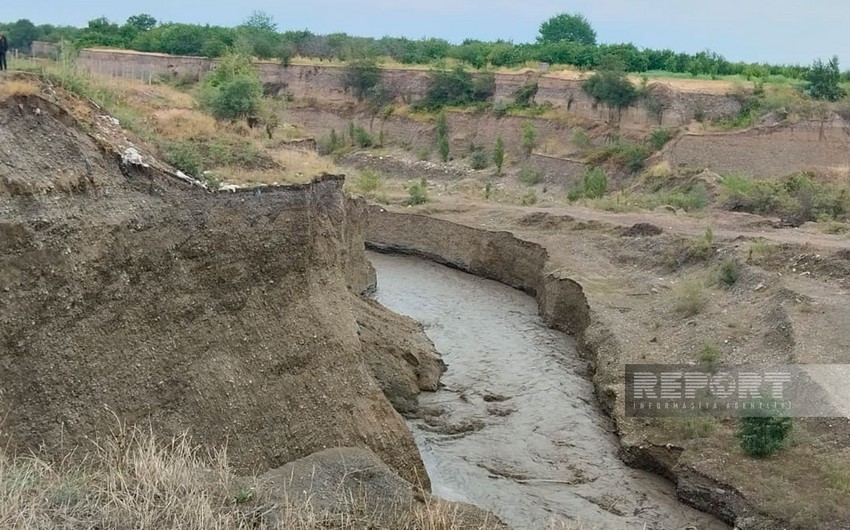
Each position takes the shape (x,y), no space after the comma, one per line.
(516,430)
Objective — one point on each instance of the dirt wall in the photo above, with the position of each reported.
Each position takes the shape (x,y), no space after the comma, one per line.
(766,151)
(131,298)
(323,84)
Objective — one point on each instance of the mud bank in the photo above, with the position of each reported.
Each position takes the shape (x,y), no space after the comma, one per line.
(564,306)
(133,298)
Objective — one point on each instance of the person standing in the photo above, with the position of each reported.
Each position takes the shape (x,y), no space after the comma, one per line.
(4,47)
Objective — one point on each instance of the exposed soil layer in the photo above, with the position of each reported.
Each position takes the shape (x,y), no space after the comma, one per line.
(131,296)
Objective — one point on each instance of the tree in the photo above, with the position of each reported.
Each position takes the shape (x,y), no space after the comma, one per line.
(611,86)
(529,138)
(499,154)
(361,77)
(823,80)
(142,22)
(233,90)
(262,21)
(567,27)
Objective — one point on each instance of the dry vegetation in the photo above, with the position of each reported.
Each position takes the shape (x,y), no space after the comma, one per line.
(135,480)
(167,120)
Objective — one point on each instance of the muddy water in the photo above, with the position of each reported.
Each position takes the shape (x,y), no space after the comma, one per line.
(516,429)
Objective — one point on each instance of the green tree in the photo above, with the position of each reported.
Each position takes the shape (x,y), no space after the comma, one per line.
(610,86)
(499,154)
(233,90)
(21,34)
(258,36)
(567,27)
(362,77)
(528,140)
(823,80)
(261,21)
(443,136)
(142,22)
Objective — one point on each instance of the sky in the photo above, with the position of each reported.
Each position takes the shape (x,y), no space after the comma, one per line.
(775,31)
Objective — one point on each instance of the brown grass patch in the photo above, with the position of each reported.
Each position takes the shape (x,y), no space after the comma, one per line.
(184,124)
(18,87)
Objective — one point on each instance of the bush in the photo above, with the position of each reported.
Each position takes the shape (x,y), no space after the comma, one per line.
(529,138)
(499,154)
(689,299)
(183,156)
(659,138)
(524,95)
(479,157)
(360,137)
(529,175)
(233,90)
(797,196)
(594,183)
(417,193)
(762,436)
(824,79)
(457,87)
(625,154)
(368,182)
(329,143)
(708,353)
(728,272)
(444,148)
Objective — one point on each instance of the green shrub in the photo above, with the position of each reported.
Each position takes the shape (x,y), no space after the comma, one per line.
(524,95)
(185,157)
(417,193)
(368,182)
(457,87)
(626,154)
(797,196)
(488,191)
(659,138)
(594,183)
(728,272)
(528,140)
(360,137)
(708,353)
(444,148)
(575,193)
(479,158)
(529,175)
(499,154)
(689,299)
(233,89)
(762,436)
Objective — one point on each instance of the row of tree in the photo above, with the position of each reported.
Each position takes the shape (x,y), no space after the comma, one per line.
(564,39)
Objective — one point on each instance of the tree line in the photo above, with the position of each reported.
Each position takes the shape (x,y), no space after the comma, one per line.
(564,39)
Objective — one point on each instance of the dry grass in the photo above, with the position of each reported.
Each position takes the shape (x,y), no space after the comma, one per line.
(135,481)
(18,87)
(184,124)
(296,167)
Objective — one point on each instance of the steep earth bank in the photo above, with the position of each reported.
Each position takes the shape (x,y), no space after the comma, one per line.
(132,297)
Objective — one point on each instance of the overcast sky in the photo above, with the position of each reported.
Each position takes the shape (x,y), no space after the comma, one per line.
(777,31)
